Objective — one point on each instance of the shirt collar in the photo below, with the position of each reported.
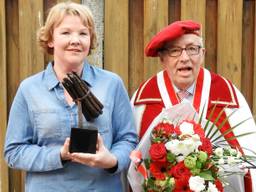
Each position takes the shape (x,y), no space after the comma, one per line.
(190,89)
(52,81)
(87,74)
(50,77)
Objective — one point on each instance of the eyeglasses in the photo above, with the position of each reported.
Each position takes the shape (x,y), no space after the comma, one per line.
(177,51)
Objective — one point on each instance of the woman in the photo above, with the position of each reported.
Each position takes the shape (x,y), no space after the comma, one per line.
(43,113)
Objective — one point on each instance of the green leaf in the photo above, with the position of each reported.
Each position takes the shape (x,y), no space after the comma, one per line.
(221,125)
(245,148)
(199,164)
(241,135)
(215,123)
(201,116)
(149,184)
(147,163)
(207,175)
(156,140)
(170,157)
(231,129)
(210,117)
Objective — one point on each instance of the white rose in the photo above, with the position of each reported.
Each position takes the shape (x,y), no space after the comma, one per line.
(197,140)
(190,145)
(181,148)
(176,147)
(196,183)
(173,146)
(218,151)
(212,188)
(187,128)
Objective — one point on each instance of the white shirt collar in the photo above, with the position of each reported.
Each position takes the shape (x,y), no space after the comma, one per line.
(190,89)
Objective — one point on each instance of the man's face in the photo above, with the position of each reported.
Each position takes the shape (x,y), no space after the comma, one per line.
(183,69)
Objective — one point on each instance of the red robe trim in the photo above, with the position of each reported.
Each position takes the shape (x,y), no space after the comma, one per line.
(149,95)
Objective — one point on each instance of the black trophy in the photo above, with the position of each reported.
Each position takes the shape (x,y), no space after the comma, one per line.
(83,139)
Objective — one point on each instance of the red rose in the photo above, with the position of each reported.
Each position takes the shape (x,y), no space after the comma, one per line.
(164,129)
(179,170)
(158,152)
(168,128)
(206,146)
(199,130)
(177,130)
(219,185)
(157,171)
(182,184)
(182,190)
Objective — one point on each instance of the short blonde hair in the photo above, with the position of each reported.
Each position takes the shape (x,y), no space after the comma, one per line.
(55,17)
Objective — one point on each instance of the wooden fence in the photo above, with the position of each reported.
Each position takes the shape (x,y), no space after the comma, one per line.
(228,29)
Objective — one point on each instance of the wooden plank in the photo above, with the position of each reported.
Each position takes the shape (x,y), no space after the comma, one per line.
(174,10)
(254,76)
(12,52)
(136,48)
(4,183)
(116,38)
(47,5)
(24,57)
(155,18)
(194,10)
(31,58)
(76,1)
(13,76)
(211,35)
(248,51)
(230,40)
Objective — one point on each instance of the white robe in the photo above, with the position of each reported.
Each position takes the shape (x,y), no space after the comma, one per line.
(243,112)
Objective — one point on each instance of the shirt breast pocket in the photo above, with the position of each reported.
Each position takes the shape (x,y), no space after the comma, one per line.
(48,124)
(103,124)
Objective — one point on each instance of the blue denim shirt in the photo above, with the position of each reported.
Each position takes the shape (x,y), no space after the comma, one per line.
(40,120)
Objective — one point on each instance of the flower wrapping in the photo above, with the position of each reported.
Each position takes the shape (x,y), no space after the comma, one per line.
(175,155)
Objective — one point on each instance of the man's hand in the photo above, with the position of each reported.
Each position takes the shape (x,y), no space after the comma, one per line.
(102,159)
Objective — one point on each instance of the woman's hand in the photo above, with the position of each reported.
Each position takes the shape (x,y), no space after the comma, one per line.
(64,152)
(102,159)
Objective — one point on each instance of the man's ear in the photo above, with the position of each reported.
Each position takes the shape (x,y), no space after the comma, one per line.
(204,51)
(160,55)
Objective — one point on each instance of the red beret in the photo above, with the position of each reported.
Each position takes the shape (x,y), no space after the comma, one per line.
(170,33)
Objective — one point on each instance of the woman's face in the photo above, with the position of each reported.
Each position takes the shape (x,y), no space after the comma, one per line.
(71,42)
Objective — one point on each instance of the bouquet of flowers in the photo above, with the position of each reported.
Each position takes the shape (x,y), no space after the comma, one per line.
(176,155)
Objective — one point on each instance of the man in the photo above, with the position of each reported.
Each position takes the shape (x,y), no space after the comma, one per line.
(180,49)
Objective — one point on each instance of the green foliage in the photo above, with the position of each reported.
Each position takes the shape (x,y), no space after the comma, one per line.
(207,175)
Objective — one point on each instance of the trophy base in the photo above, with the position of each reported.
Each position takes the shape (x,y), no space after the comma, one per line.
(83,140)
